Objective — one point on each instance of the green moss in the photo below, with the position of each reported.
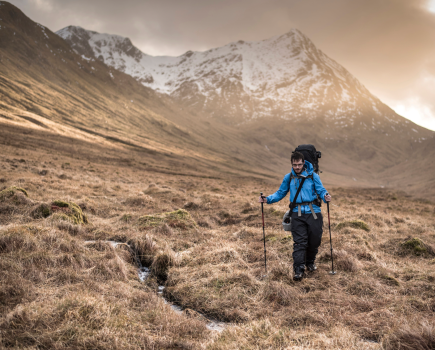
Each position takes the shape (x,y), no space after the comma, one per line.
(72,211)
(271,238)
(10,192)
(358,224)
(61,204)
(179,218)
(415,245)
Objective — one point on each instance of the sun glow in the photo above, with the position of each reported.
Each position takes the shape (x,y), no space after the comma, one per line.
(431,6)
(417,113)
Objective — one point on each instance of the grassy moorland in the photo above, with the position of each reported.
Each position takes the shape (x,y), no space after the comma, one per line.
(63,285)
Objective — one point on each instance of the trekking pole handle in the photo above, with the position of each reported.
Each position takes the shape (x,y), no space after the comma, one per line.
(327,205)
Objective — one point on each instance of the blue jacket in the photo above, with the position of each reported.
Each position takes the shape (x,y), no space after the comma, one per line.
(308,190)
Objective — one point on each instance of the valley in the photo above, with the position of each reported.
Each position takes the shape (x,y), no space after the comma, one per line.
(202,240)
(109,170)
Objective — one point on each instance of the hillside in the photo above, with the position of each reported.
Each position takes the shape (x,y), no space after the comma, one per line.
(70,274)
(279,93)
(47,87)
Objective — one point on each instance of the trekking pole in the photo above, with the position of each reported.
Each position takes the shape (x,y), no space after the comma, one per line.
(332,272)
(264,236)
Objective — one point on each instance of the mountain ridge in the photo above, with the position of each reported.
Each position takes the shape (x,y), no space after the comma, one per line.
(277,76)
(45,85)
(297,95)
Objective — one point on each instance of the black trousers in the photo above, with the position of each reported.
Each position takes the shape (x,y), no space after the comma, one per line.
(307,236)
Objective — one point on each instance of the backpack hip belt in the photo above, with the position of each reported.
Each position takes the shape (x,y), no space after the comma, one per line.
(310,204)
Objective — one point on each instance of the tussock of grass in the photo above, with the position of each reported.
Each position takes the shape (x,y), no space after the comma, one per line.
(145,248)
(177,219)
(342,260)
(391,280)
(162,262)
(415,337)
(279,293)
(358,224)
(41,211)
(72,229)
(417,247)
(164,230)
(10,192)
(126,218)
(68,211)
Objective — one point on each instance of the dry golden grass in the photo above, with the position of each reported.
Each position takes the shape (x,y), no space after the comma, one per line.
(58,290)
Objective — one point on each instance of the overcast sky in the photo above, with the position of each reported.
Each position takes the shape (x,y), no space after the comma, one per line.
(388,45)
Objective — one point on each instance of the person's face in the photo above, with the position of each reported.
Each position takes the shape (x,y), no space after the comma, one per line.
(298,166)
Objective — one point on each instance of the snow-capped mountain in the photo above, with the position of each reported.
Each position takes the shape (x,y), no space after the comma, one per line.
(268,91)
(284,76)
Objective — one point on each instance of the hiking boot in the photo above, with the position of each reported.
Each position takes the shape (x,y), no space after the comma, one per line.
(311,267)
(299,273)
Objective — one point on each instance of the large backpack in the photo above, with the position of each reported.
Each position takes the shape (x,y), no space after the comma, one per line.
(311,154)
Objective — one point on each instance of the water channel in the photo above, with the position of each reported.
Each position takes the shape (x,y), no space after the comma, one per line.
(144,272)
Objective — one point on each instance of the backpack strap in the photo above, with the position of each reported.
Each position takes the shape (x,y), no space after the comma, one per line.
(310,204)
(293,203)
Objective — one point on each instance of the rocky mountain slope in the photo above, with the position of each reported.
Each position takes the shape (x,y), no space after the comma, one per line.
(284,76)
(279,93)
(45,85)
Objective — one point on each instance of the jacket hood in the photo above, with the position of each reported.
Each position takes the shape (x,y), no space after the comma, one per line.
(308,167)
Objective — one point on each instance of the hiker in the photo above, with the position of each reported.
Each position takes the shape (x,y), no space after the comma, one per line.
(306,226)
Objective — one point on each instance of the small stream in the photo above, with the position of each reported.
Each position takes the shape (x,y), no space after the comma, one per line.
(213,325)
(144,272)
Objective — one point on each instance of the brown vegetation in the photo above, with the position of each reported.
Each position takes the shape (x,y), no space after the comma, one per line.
(65,285)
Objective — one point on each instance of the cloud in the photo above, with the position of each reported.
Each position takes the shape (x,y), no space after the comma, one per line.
(387,44)
(417,102)
(416,111)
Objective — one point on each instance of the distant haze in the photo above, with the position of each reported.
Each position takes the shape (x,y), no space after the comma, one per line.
(389,45)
